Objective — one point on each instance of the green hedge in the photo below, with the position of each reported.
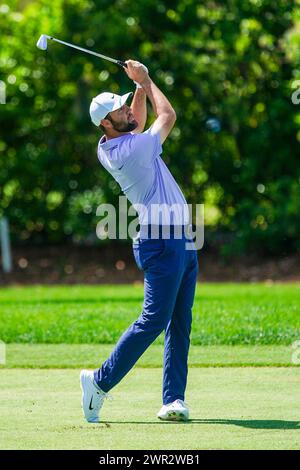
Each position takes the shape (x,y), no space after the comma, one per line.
(234,61)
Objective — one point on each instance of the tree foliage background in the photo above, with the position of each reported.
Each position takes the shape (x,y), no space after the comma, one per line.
(234,60)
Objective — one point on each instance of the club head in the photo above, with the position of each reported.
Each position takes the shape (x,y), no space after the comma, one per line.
(42,42)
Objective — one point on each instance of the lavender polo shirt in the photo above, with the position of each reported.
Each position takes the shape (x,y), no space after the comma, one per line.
(135,163)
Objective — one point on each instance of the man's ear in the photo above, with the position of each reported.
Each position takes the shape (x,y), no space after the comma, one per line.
(105,123)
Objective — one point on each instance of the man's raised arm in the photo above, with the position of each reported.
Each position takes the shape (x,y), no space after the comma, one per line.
(139,109)
(163,110)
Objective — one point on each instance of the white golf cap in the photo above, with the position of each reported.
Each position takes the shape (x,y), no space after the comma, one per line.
(104,103)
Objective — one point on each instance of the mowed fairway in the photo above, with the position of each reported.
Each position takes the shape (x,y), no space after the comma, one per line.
(243,384)
(232,408)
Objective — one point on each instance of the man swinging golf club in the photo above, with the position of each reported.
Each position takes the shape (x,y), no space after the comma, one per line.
(170,270)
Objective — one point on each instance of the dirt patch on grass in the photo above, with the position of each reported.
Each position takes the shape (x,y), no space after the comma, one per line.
(115,264)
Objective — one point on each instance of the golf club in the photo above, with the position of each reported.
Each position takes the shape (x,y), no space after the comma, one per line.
(42,44)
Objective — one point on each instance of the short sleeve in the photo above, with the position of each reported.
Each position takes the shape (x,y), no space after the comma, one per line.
(147,146)
(112,158)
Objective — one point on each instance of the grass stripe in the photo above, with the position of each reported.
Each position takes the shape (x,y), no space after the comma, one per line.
(91,356)
(223,314)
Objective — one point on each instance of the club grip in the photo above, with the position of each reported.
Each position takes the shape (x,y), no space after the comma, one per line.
(121,63)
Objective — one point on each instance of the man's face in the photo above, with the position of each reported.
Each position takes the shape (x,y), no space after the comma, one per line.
(122,119)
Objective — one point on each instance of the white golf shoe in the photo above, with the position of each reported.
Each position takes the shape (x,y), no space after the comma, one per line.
(176,411)
(92,396)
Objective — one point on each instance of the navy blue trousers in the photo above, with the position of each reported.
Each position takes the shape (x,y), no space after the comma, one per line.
(170,273)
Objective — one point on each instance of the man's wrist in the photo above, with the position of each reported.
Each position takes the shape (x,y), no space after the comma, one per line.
(145,82)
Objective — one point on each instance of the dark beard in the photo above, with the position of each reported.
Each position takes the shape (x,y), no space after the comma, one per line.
(125,127)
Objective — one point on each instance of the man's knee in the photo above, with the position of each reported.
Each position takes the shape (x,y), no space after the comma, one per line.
(154,322)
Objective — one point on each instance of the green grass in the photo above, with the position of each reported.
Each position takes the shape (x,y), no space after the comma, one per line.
(51,356)
(231,408)
(223,314)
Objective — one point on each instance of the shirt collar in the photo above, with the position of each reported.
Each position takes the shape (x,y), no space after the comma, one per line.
(107,144)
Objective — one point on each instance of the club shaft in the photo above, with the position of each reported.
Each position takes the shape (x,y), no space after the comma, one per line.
(115,61)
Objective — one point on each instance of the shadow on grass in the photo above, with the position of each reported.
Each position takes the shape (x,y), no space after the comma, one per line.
(252,423)
(245,423)
(73,300)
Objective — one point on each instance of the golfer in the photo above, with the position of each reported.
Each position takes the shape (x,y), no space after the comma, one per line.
(133,158)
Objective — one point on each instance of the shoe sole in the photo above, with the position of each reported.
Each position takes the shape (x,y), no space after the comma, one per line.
(173,416)
(81,386)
